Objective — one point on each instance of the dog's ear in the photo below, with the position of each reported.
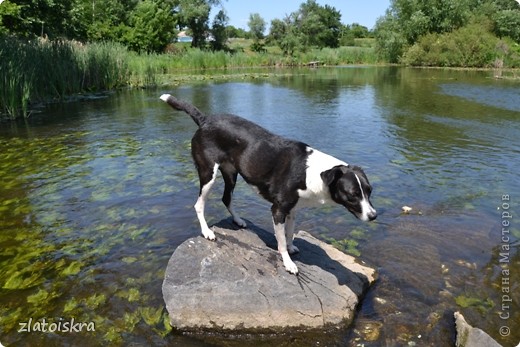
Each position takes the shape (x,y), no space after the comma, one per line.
(333,174)
(358,170)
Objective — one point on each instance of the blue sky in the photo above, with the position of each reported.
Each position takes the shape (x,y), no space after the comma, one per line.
(363,12)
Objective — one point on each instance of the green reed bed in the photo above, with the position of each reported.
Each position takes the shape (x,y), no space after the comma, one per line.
(104,66)
(39,71)
(16,77)
(145,67)
(341,56)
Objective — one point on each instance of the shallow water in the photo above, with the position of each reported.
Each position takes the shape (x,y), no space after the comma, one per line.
(96,195)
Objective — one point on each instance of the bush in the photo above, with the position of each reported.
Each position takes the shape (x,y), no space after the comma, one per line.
(508,53)
(390,41)
(470,46)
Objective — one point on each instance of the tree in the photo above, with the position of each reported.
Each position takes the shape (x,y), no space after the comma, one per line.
(407,20)
(236,32)
(507,23)
(320,25)
(331,20)
(194,14)
(277,30)
(219,31)
(151,27)
(256,26)
(359,31)
(29,18)
(506,19)
(390,41)
(285,35)
(103,20)
(418,17)
(346,37)
(311,25)
(9,13)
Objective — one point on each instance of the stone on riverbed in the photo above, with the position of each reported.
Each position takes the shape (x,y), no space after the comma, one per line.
(239,283)
(468,336)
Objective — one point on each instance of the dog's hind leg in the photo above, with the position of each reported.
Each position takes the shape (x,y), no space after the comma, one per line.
(207,178)
(289,232)
(230,179)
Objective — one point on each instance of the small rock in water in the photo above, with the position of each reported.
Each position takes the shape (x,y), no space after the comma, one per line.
(406,209)
(468,336)
(370,330)
(466,264)
(380,301)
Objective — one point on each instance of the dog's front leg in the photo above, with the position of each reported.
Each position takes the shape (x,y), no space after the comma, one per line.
(279,231)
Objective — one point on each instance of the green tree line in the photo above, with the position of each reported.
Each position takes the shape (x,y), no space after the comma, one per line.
(415,32)
(142,25)
(151,25)
(450,32)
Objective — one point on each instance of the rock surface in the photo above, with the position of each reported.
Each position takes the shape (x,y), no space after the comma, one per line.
(239,283)
(467,336)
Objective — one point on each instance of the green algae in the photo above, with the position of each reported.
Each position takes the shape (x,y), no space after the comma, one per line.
(480,304)
(52,250)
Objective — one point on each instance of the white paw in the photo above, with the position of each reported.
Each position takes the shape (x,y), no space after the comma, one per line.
(209,234)
(288,263)
(291,267)
(240,222)
(292,249)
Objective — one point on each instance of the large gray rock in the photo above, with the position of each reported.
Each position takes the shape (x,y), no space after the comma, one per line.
(468,336)
(239,283)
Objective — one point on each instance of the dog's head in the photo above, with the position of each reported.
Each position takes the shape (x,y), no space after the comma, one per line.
(349,186)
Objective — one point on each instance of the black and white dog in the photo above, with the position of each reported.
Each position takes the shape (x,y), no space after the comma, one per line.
(289,174)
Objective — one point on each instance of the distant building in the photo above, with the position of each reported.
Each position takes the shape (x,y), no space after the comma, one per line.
(182,37)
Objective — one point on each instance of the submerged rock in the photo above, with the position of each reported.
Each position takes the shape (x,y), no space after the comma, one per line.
(239,283)
(468,336)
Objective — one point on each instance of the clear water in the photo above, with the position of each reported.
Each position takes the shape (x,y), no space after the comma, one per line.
(96,195)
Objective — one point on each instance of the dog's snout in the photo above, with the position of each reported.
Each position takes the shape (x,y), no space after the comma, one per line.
(372,215)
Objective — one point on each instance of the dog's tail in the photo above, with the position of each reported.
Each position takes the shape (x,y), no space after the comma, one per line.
(195,114)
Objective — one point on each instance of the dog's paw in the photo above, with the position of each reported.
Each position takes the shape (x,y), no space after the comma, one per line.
(208,234)
(240,222)
(292,249)
(291,267)
(288,263)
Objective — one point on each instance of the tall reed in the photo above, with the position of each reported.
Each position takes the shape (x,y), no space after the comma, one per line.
(16,76)
(39,70)
(103,65)
(341,56)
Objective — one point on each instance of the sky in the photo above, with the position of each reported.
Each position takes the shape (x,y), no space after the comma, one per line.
(364,12)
